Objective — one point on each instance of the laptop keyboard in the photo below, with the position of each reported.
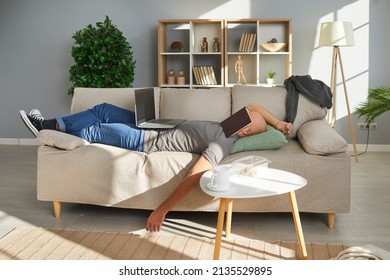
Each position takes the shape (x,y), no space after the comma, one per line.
(160,121)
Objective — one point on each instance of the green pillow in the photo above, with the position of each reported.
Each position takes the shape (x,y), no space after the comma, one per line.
(270,140)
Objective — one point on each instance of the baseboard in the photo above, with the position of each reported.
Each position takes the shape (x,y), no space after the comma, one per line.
(370,148)
(19,141)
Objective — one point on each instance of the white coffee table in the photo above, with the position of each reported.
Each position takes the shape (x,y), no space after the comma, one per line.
(267,182)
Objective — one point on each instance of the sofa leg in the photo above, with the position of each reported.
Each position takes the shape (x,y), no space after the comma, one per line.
(331,218)
(57,208)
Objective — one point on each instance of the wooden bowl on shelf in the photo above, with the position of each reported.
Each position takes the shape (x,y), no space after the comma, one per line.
(273,47)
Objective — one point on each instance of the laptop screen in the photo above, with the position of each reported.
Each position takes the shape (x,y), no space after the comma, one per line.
(144,105)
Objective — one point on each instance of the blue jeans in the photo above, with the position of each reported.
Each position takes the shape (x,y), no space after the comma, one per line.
(106,124)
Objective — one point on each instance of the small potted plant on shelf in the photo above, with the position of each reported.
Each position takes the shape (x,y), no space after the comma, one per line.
(270,79)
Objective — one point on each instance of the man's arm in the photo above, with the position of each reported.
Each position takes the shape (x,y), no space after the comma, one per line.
(270,119)
(157,217)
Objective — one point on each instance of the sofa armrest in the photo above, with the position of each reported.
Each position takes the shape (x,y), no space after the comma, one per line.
(319,138)
(60,140)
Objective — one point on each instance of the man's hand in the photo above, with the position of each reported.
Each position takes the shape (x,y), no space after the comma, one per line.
(157,217)
(284,127)
(155,221)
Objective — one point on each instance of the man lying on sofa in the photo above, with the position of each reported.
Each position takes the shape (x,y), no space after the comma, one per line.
(111,125)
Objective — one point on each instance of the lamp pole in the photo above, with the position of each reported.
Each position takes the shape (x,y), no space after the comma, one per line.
(332,113)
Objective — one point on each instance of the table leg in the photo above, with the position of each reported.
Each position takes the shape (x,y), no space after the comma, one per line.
(298,225)
(229,217)
(218,236)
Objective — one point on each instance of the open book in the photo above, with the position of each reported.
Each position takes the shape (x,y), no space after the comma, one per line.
(236,122)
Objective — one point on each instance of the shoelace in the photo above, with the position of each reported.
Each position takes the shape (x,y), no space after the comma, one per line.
(36,115)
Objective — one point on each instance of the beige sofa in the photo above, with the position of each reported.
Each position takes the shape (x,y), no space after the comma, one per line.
(72,170)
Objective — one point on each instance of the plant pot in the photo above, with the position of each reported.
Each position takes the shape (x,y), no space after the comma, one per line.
(270,81)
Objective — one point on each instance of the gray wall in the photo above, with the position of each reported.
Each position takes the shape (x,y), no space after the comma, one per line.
(36,39)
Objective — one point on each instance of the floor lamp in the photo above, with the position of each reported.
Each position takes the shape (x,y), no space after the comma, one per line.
(338,34)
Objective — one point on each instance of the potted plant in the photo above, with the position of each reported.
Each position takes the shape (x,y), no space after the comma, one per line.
(377,103)
(270,79)
(103,58)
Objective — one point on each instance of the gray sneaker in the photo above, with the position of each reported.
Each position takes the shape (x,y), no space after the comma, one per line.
(33,120)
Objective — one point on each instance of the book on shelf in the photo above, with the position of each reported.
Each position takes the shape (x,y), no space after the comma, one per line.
(247,42)
(204,75)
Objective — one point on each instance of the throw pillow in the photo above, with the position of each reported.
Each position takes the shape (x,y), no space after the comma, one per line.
(269,140)
(319,138)
(60,140)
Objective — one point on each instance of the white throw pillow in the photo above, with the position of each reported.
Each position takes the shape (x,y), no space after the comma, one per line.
(60,140)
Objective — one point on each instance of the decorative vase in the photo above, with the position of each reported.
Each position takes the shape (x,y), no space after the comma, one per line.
(216,45)
(204,45)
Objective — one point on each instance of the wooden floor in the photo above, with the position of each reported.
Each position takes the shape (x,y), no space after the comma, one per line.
(367,223)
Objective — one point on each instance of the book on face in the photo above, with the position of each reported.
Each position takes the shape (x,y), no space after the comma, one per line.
(239,120)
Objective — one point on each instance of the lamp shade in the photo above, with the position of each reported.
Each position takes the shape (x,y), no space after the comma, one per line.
(336,33)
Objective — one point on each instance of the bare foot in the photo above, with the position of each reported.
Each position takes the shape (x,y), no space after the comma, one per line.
(155,221)
(284,127)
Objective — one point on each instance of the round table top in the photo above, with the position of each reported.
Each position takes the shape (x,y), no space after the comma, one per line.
(267,182)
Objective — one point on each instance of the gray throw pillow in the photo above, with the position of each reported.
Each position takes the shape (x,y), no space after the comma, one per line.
(319,138)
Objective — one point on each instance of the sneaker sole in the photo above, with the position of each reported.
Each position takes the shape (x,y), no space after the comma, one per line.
(28,123)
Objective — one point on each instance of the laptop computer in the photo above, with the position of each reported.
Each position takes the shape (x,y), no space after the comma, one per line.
(145,113)
(236,122)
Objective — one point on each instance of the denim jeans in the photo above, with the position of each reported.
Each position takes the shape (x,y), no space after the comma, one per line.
(106,124)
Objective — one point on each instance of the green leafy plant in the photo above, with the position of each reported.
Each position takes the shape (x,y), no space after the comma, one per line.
(377,103)
(103,58)
(271,74)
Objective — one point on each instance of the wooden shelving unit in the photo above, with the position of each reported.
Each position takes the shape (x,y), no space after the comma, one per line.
(256,60)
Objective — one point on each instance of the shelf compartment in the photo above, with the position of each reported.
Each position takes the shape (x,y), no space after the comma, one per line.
(176,63)
(208,60)
(209,29)
(175,32)
(269,29)
(235,29)
(249,68)
(275,63)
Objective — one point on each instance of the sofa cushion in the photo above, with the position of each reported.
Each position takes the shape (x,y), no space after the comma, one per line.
(196,104)
(270,140)
(319,138)
(60,140)
(274,100)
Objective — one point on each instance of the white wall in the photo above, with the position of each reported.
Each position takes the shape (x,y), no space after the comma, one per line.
(35,44)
